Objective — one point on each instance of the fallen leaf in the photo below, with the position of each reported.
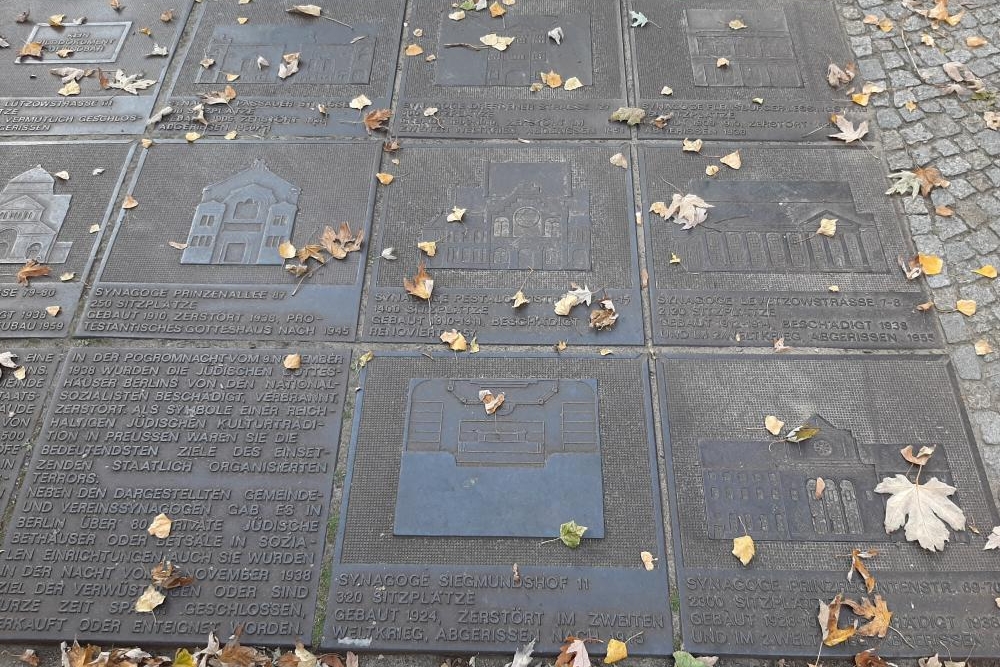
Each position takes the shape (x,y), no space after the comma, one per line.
(685,659)
(31,50)
(966,306)
(773,424)
(605,316)
(869,658)
(292,362)
(166,576)
(53,311)
(130,83)
(848,133)
(674,259)
(225,96)
(829,622)
(975,41)
(160,526)
(149,600)
(71,88)
(413,50)
(286,250)
(56,20)
(689,210)
(711,170)
(983,347)
(29,657)
(32,269)
(429,247)
(491,402)
(230,77)
(924,510)
(987,271)
(619,160)
(522,656)
(307,10)
(455,340)
(65,53)
(572,83)
(722,62)
(992,119)
(67,276)
(617,650)
(877,614)
(924,307)
(930,178)
(732,160)
(834,288)
(20,372)
(384,178)
(473,345)
(692,146)
(560,346)
(421,285)
(886,25)
(931,265)
(519,299)
(497,10)
(861,99)
(628,115)
(802,433)
(61,175)
(342,241)
(457,16)
(944,211)
(737,24)
(910,105)
(993,540)
(649,562)
(359,102)
(551,79)
(920,458)
(666,90)
(229,136)
(376,119)
(430,111)
(192,137)
(206,62)
(838,77)
(456,214)
(827,227)
(858,565)
(638,19)
(288,66)
(820,488)
(496,41)
(744,549)
(779,345)
(388,253)
(570,533)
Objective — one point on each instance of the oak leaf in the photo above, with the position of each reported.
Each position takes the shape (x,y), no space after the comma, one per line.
(421,285)
(923,509)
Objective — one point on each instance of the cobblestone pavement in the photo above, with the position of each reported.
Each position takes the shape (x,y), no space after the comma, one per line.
(945,131)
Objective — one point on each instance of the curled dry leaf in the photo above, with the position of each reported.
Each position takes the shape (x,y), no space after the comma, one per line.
(744,549)
(71,88)
(920,458)
(385,178)
(496,41)
(692,145)
(455,340)
(288,66)
(32,269)
(570,533)
(628,115)
(292,362)
(519,299)
(605,316)
(429,247)
(827,227)
(225,96)
(572,83)
(802,433)
(306,10)
(413,50)
(711,170)
(421,285)
(617,651)
(779,345)
(388,253)
(376,120)
(551,79)
(689,210)
(67,276)
(491,401)
(456,214)
(838,77)
(160,526)
(619,160)
(286,250)
(858,565)
(737,24)
(53,311)
(829,622)
(722,62)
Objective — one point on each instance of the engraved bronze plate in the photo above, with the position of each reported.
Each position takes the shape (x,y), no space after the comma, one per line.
(448,538)
(773,86)
(481,91)
(730,478)
(20,408)
(536,219)
(347,52)
(49,219)
(226,208)
(236,450)
(99,41)
(757,270)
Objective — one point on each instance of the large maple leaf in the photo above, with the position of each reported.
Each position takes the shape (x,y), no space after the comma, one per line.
(924,509)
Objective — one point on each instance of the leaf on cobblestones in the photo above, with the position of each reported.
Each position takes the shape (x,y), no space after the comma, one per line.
(907,182)
(992,119)
(966,306)
(930,264)
(930,178)
(975,41)
(983,347)
(837,76)
(987,271)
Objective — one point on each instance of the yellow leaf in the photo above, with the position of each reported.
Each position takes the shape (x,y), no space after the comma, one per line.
(931,264)
(953,20)
(455,340)
(429,247)
(192,137)
(160,526)
(605,351)
(827,227)
(292,362)
(413,50)
(910,105)
(242,20)
(744,549)
(692,146)
(966,306)
(711,170)
(286,250)
(860,99)
(616,651)
(737,24)
(56,20)
(674,259)
(561,345)
(572,83)
(732,160)
(384,178)
(648,561)
(722,62)
(519,299)
(146,142)
(551,79)
(66,277)
(230,135)
(359,102)
(183,658)
(987,271)
(926,40)
(473,345)
(71,88)
(565,304)
(975,41)
(497,10)
(886,25)
(20,372)
(944,211)
(365,358)
(421,285)
(53,310)
(773,424)
(456,214)
(983,347)
(149,600)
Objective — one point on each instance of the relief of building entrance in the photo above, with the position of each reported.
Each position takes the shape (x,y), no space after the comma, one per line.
(31,216)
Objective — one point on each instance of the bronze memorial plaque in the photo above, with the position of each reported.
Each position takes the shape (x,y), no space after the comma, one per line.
(810,504)
(199,255)
(234,449)
(94,70)
(55,203)
(449,532)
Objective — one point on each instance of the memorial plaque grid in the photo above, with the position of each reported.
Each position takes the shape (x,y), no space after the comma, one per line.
(724,471)
(485,93)
(48,219)
(20,407)
(780,58)
(537,218)
(108,40)
(756,270)
(456,594)
(354,53)
(236,450)
(232,204)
